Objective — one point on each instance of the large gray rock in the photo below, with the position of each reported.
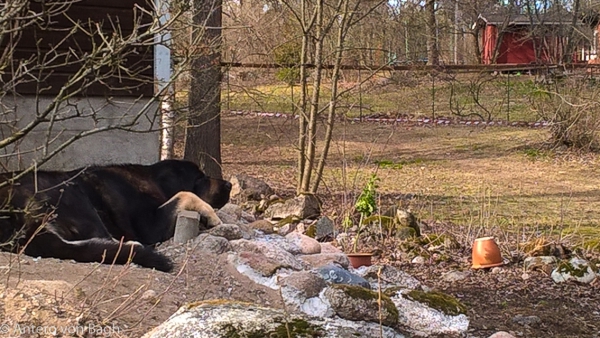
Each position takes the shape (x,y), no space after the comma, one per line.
(224,319)
(424,321)
(308,283)
(324,229)
(281,242)
(337,275)
(301,207)
(330,248)
(266,266)
(539,262)
(229,231)
(576,269)
(307,245)
(357,303)
(230,213)
(247,188)
(211,244)
(389,276)
(273,252)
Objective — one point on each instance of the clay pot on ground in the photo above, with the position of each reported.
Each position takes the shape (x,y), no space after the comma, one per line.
(486,253)
(359,259)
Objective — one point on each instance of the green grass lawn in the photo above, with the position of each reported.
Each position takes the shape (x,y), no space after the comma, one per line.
(468,95)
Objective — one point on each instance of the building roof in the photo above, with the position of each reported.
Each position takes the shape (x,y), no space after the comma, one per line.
(498,16)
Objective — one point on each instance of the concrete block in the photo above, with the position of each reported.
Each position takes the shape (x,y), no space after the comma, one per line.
(187,226)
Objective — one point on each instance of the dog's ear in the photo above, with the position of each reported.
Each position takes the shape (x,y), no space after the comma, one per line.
(174,176)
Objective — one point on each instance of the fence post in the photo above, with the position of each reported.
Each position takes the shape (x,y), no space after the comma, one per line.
(508,96)
(433,94)
(360,114)
(227,70)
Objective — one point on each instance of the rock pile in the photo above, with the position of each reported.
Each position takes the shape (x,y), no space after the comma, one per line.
(323,295)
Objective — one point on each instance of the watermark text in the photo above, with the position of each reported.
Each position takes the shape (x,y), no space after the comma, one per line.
(30,329)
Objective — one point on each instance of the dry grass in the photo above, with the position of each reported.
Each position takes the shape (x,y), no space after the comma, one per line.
(498,97)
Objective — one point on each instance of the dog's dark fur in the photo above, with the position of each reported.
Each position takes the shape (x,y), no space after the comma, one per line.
(84,214)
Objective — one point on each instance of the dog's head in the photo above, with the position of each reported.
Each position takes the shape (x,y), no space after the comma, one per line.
(176,175)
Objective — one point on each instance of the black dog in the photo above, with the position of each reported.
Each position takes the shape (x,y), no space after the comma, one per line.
(84,214)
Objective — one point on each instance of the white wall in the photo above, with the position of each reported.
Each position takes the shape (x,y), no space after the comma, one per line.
(82,114)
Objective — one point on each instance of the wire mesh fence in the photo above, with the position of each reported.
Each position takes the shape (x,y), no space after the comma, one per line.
(490,94)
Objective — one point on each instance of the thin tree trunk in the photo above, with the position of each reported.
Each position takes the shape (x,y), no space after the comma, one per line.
(314,102)
(203,139)
(571,42)
(302,123)
(307,26)
(433,55)
(334,93)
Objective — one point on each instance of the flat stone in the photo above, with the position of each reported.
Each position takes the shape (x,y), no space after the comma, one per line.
(527,320)
(266,266)
(355,303)
(455,276)
(262,225)
(337,275)
(390,276)
(322,259)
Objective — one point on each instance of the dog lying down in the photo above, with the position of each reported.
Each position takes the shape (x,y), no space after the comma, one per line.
(113,213)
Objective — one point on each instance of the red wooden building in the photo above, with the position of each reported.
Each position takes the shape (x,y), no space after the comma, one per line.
(518,38)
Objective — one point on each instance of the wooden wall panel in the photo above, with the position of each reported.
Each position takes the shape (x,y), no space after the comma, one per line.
(47,40)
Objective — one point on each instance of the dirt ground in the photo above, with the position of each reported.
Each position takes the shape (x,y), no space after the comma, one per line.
(127,301)
(123,301)
(466,181)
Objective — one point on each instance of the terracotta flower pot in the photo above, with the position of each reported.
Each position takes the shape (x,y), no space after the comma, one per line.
(486,253)
(360,259)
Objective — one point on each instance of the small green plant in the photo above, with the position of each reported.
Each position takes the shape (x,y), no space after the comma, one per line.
(366,205)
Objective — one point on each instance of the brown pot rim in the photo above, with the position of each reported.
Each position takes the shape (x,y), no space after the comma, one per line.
(359,254)
(483,266)
(484,238)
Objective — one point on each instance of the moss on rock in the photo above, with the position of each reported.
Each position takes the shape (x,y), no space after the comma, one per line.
(448,241)
(575,271)
(292,329)
(439,301)
(358,292)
